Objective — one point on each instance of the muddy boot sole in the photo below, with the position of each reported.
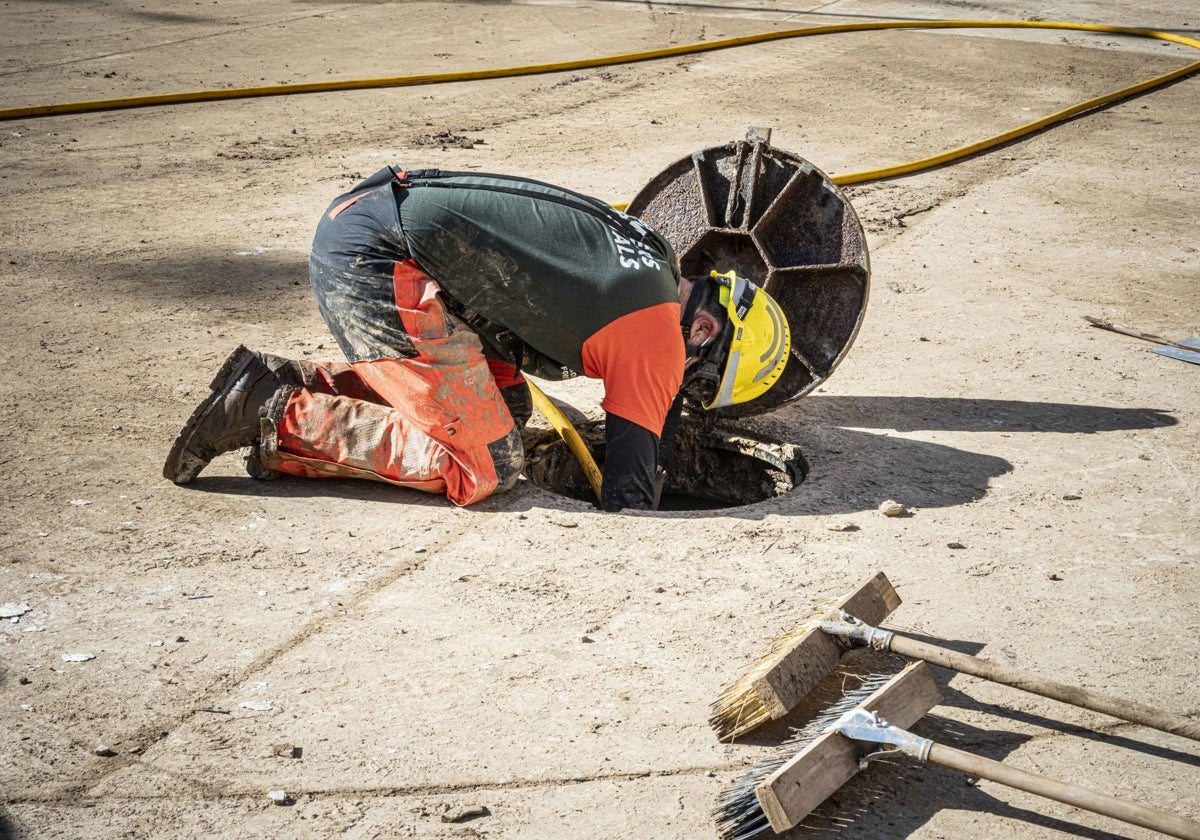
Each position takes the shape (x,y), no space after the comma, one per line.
(183,465)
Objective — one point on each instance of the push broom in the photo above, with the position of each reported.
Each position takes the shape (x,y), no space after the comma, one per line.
(872,723)
(801,659)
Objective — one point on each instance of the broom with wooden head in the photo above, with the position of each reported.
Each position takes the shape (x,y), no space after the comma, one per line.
(870,723)
(801,659)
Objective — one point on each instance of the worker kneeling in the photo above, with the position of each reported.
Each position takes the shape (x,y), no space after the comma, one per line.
(441,288)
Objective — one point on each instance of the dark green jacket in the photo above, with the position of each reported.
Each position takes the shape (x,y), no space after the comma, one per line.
(552,266)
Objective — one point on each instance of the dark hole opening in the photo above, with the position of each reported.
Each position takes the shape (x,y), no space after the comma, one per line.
(711,468)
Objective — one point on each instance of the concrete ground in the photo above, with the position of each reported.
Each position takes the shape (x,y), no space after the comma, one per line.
(391,662)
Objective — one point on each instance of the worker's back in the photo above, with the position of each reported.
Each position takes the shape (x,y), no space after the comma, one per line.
(550,265)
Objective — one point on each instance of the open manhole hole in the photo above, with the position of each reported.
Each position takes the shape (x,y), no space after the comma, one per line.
(711,467)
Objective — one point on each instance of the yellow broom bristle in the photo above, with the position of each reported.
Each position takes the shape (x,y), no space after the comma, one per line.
(740,709)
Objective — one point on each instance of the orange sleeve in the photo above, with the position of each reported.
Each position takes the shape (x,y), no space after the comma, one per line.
(640,357)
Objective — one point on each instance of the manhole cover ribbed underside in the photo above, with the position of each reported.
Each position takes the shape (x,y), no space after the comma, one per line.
(776,219)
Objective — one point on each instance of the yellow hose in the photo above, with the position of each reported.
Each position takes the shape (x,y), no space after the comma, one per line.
(1037,125)
(570,437)
(92,106)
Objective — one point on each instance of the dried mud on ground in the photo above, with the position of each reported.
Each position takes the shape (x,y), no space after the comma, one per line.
(391,662)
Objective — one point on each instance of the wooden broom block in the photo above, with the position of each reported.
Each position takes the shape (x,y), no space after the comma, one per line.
(816,654)
(817,771)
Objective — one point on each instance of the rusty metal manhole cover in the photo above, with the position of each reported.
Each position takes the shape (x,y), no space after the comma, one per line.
(778,220)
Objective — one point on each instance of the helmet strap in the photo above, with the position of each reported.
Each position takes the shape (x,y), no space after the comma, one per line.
(745,300)
(703,375)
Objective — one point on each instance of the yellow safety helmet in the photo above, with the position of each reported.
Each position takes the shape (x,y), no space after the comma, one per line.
(753,345)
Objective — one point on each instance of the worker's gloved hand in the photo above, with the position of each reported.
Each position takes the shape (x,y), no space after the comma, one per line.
(519,402)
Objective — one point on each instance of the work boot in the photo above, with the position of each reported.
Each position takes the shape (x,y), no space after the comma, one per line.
(228,418)
(261,457)
(289,372)
(252,460)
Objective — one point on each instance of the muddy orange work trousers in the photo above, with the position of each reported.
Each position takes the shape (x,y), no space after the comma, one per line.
(416,405)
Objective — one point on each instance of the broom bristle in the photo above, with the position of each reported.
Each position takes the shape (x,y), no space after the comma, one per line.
(740,709)
(740,816)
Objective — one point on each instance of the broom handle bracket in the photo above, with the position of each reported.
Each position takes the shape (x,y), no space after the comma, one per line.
(857,633)
(860,725)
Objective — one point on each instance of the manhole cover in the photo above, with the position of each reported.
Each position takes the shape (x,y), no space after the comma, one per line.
(776,219)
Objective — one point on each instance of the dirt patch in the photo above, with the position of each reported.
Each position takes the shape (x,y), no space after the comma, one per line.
(446,140)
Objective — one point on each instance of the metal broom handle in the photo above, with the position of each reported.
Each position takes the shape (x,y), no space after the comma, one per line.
(855,631)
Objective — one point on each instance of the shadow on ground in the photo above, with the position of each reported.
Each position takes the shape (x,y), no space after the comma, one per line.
(851,470)
(9,828)
(894,797)
(951,414)
(226,279)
